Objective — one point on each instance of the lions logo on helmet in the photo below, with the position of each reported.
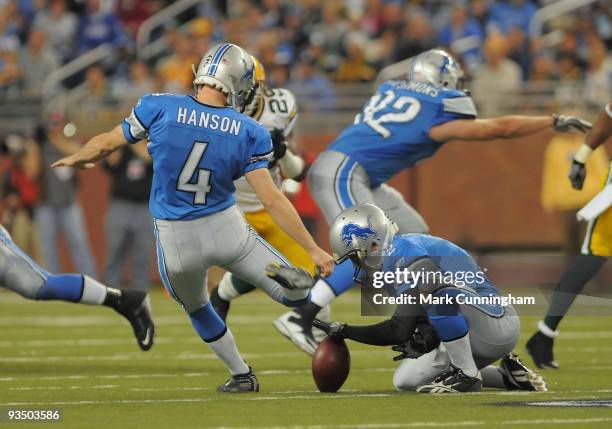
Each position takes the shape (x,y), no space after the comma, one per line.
(352,231)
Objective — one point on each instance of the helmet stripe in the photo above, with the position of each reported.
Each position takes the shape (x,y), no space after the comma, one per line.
(213,66)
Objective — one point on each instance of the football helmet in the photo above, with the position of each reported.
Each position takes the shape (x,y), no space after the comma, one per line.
(260,80)
(354,232)
(228,68)
(437,68)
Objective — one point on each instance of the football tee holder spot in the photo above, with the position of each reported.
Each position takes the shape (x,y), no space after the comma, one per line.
(564,403)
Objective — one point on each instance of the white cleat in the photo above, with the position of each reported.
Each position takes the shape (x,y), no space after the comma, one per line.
(291,327)
(325,315)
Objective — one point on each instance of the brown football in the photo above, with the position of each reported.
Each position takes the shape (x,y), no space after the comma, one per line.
(331,364)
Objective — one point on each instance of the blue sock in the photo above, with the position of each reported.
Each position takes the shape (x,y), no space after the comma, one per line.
(447,320)
(207,323)
(341,279)
(64,287)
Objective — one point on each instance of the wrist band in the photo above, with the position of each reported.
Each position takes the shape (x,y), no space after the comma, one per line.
(583,153)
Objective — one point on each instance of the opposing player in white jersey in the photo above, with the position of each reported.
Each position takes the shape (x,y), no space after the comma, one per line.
(200,145)
(276,109)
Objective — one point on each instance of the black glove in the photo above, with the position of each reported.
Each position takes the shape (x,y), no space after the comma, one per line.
(279,145)
(568,123)
(423,341)
(333,329)
(577,174)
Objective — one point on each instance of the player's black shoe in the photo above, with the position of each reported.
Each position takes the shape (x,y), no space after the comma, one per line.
(220,305)
(240,383)
(453,381)
(518,377)
(134,307)
(540,348)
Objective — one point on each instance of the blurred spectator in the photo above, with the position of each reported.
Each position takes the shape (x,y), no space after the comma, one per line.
(132,13)
(496,79)
(20,191)
(97,27)
(12,26)
(354,67)
(200,32)
(463,35)
(90,97)
(57,209)
(128,221)
(60,27)
(311,87)
(138,84)
(175,69)
(328,34)
(36,63)
(599,75)
(504,15)
(415,38)
(9,72)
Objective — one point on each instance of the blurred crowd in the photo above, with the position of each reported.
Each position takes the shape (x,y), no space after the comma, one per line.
(306,45)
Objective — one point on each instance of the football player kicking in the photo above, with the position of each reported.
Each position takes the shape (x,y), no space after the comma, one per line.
(472,334)
(275,109)
(406,121)
(19,273)
(200,144)
(597,247)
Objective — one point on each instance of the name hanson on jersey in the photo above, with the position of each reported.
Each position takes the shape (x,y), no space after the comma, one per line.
(211,121)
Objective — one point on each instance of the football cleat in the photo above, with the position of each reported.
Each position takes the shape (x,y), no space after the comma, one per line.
(290,277)
(540,348)
(518,377)
(453,381)
(220,305)
(291,326)
(134,306)
(240,383)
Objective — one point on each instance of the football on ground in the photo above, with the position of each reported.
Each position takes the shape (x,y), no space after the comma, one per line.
(85,361)
(331,364)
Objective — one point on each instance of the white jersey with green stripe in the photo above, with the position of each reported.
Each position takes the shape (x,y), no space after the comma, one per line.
(277,109)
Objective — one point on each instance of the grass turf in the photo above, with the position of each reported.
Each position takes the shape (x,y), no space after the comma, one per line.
(84,360)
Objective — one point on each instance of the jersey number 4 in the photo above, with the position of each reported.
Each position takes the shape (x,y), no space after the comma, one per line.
(403,109)
(201,187)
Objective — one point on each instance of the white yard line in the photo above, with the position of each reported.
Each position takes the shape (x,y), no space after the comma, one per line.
(428,424)
(102,386)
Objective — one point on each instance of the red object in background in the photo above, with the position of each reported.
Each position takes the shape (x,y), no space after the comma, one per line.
(303,202)
(27,189)
(132,13)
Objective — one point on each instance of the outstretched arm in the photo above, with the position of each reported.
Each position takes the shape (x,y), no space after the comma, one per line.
(284,214)
(504,127)
(97,148)
(601,131)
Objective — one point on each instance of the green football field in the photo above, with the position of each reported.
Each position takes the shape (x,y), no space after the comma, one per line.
(84,361)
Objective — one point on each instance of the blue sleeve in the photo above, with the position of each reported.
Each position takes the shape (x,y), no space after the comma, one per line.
(261,149)
(452,106)
(136,125)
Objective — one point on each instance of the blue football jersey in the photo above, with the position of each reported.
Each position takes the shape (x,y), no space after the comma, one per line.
(450,258)
(392,131)
(198,151)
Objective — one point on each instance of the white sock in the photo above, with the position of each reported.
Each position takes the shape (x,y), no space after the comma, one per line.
(460,354)
(94,292)
(546,330)
(491,377)
(227,291)
(322,293)
(225,348)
